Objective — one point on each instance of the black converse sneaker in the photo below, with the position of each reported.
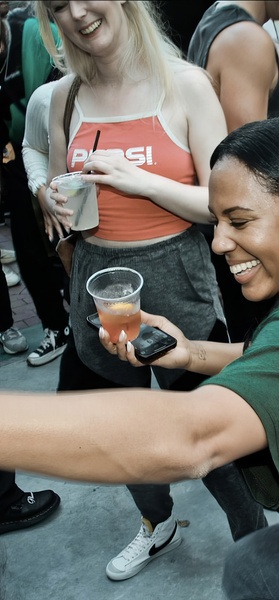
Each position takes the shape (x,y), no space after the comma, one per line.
(53,344)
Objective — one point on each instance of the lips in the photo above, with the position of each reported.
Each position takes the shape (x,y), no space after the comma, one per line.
(242,267)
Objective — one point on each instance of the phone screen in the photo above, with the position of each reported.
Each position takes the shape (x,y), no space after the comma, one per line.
(150,344)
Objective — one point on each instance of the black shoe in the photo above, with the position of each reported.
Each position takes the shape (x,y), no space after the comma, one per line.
(30,509)
(52,346)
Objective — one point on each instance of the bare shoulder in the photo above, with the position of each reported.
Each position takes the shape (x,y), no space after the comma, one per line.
(61,88)
(193,82)
(245,36)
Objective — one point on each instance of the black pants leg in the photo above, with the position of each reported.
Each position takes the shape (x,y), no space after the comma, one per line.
(37,269)
(6,316)
(9,491)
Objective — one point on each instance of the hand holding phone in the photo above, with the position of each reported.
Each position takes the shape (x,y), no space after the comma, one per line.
(150,344)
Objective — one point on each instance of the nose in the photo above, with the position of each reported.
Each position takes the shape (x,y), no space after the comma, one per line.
(222,242)
(78,9)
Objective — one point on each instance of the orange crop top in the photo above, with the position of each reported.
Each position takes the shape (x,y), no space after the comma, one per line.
(144,140)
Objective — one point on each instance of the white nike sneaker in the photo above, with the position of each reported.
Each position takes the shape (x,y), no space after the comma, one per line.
(146,546)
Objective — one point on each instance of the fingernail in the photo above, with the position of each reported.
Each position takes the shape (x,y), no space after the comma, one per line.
(101,333)
(122,336)
(129,346)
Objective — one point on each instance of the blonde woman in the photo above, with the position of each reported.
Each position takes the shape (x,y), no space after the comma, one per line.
(160,121)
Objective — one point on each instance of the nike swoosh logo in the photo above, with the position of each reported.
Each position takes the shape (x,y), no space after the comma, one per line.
(156,549)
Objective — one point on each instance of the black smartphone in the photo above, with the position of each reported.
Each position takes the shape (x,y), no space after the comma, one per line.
(150,344)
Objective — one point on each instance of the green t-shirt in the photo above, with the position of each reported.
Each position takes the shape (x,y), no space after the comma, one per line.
(255,377)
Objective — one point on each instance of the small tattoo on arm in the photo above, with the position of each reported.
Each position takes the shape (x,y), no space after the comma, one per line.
(201,353)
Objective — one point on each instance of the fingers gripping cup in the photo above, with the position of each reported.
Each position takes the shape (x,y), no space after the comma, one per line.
(116,293)
(82,199)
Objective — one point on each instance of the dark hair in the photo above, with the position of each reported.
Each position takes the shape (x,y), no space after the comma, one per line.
(256,145)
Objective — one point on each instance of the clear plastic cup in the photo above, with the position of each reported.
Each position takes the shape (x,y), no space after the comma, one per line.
(116,293)
(82,199)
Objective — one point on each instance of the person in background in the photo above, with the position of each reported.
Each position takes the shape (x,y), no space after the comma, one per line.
(115,437)
(26,65)
(35,153)
(250,566)
(7,257)
(240,56)
(18,509)
(150,105)
(11,339)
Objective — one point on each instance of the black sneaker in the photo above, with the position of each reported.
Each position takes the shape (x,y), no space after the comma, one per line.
(30,509)
(53,344)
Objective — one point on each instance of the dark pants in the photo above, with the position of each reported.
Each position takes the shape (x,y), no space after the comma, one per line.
(74,375)
(9,491)
(6,316)
(251,567)
(41,273)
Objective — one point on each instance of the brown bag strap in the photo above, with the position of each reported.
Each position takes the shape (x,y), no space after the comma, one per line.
(70,105)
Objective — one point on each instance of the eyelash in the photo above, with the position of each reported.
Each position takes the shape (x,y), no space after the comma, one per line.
(236,225)
(239,224)
(58,8)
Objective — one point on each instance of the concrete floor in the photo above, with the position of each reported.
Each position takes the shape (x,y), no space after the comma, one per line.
(64,558)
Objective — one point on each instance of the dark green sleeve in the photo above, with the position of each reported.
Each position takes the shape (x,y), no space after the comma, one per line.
(255,377)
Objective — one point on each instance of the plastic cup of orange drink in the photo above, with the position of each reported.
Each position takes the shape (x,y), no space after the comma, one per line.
(116,294)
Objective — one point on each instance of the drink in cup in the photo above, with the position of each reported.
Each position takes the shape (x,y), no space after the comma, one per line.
(116,293)
(82,199)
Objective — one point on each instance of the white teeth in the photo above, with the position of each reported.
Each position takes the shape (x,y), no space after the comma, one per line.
(244,266)
(91,27)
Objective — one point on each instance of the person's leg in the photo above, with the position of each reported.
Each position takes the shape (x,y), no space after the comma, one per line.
(226,484)
(251,567)
(9,491)
(75,375)
(11,338)
(6,317)
(36,268)
(229,488)
(153,501)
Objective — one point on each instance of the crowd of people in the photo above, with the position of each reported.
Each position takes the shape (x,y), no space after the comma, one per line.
(118,71)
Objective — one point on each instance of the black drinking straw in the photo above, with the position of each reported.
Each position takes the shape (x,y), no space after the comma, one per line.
(96,140)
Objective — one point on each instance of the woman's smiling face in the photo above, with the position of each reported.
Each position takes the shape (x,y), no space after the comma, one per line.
(246,219)
(95,27)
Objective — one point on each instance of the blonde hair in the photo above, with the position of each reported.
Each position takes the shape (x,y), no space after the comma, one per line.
(149,46)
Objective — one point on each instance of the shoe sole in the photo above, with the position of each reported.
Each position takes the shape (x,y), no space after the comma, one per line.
(43,360)
(8,351)
(16,525)
(138,568)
